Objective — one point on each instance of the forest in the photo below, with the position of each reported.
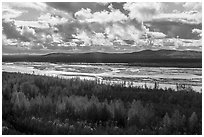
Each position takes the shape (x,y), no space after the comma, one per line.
(42,105)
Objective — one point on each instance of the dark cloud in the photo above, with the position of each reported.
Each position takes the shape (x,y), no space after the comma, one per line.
(69,29)
(11,32)
(73,7)
(119,5)
(173,29)
(19,50)
(129,41)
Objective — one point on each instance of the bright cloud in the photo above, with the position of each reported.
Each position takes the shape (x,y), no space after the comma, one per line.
(51,19)
(6,41)
(101,17)
(83,36)
(105,26)
(156,35)
(35,24)
(28,32)
(197,31)
(142,11)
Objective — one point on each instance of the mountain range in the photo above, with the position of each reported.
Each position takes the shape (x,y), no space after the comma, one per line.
(142,57)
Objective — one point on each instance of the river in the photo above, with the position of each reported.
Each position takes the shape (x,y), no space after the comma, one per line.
(165,77)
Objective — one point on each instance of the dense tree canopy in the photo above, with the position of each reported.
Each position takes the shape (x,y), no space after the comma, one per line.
(47,105)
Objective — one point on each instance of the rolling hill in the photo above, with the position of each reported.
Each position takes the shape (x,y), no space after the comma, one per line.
(155,58)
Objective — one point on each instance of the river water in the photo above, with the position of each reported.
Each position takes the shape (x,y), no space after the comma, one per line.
(166,77)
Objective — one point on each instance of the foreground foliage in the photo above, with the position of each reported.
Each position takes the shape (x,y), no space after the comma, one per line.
(46,105)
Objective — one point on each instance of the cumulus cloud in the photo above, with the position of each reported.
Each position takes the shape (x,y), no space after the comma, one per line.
(51,19)
(57,38)
(99,26)
(83,36)
(113,16)
(157,35)
(173,28)
(122,31)
(179,23)
(6,41)
(112,24)
(100,39)
(35,24)
(101,17)
(197,31)
(71,28)
(177,44)
(46,38)
(83,14)
(44,30)
(113,32)
(11,31)
(142,11)
(44,21)
(28,32)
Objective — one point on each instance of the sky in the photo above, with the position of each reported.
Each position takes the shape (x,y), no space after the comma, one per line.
(73,27)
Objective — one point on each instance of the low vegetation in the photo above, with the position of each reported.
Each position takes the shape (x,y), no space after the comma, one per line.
(47,105)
